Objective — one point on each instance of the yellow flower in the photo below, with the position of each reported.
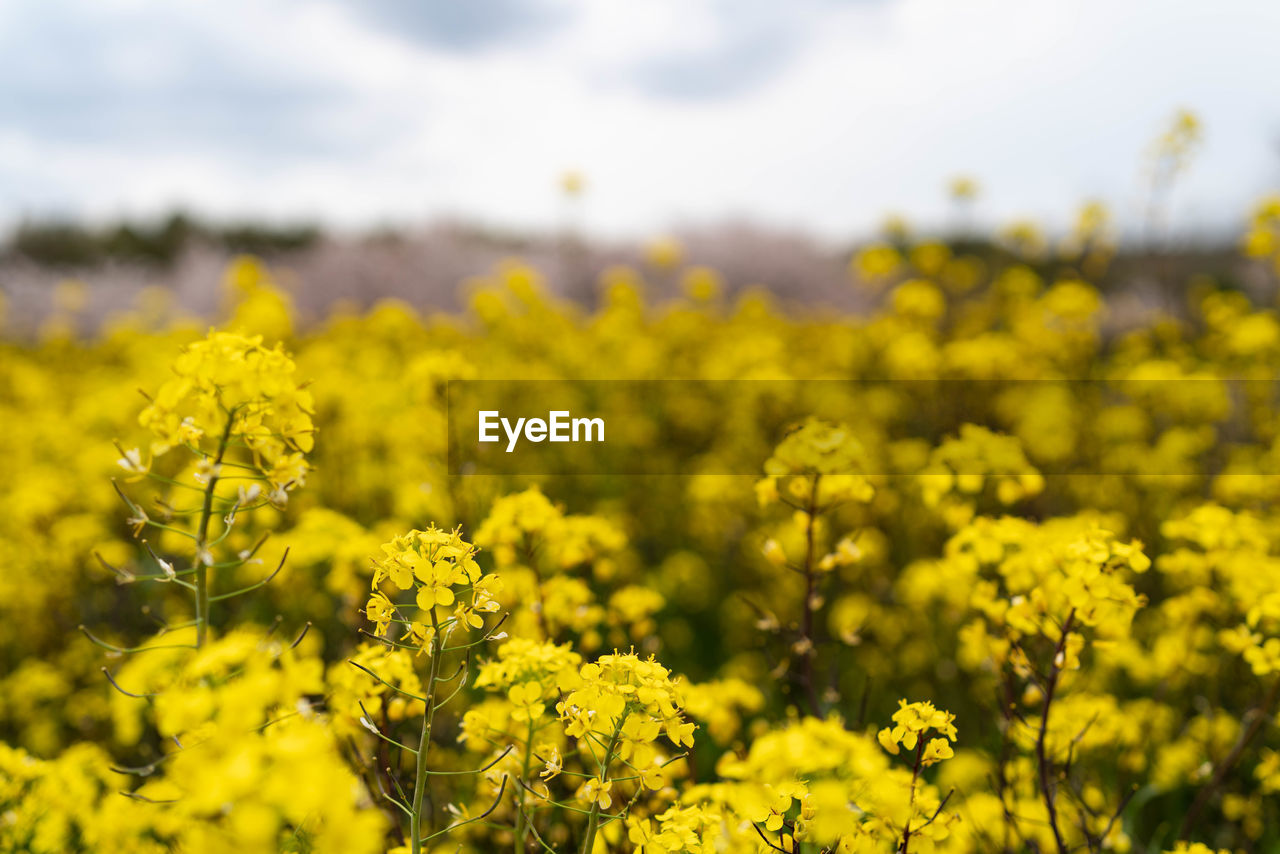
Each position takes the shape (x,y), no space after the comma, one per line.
(937,750)
(911,721)
(596,791)
(553,764)
(379,610)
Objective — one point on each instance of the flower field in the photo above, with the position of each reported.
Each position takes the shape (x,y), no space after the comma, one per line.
(246,607)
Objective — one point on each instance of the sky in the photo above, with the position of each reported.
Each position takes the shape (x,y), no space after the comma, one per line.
(820,116)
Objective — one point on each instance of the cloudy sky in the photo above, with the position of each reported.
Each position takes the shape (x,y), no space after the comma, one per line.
(814,114)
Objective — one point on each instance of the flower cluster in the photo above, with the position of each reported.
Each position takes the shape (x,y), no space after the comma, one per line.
(961,467)
(530,672)
(440,569)
(540,550)
(624,702)
(815,466)
(230,388)
(911,723)
(694,829)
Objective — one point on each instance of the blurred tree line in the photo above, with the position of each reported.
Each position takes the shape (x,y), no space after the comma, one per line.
(58,242)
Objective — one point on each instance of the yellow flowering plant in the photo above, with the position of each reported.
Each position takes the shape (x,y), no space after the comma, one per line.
(233,711)
(526,676)
(816,468)
(1052,590)
(1040,615)
(237,409)
(451,599)
(538,548)
(617,709)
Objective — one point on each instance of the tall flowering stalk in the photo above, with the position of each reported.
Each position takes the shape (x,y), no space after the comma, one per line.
(618,707)
(238,709)
(814,469)
(237,409)
(450,598)
(528,673)
(911,724)
(1050,595)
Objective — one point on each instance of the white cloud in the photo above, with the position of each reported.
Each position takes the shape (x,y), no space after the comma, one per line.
(311,110)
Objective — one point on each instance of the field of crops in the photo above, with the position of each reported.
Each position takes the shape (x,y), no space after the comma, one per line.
(245,606)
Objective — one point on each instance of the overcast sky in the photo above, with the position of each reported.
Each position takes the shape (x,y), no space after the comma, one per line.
(822,115)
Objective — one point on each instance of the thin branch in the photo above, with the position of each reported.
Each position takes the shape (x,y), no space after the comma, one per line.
(125,577)
(757,829)
(1046,789)
(136,797)
(385,682)
(373,728)
(1260,716)
(381,791)
(299,638)
(388,641)
(395,781)
(130,649)
(938,811)
(263,583)
(501,791)
(1124,802)
(528,822)
(498,759)
(116,685)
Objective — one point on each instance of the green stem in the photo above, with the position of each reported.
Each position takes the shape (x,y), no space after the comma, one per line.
(593,818)
(911,803)
(524,776)
(806,627)
(424,743)
(202,537)
(1048,787)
